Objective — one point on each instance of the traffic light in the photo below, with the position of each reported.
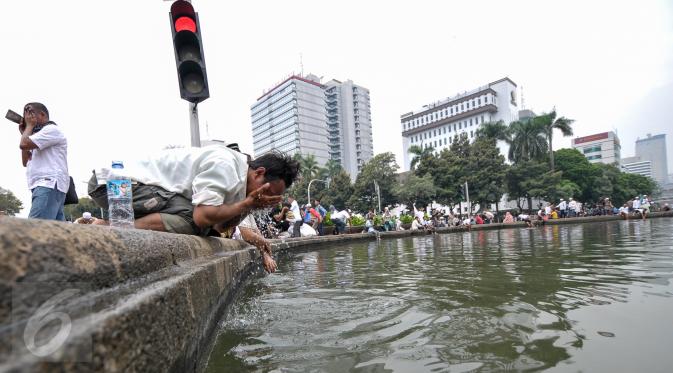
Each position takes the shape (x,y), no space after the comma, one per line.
(188,47)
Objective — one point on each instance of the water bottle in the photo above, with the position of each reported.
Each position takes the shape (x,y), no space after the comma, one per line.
(120,197)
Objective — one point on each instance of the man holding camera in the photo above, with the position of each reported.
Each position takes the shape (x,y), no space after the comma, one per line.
(44,153)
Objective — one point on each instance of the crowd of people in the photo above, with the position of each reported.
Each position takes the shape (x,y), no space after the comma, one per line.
(218,190)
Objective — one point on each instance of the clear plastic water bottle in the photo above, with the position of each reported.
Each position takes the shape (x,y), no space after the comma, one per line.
(119,197)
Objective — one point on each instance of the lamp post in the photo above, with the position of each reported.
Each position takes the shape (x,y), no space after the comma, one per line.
(378,193)
(308,190)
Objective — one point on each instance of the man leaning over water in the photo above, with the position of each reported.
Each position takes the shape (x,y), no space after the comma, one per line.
(191,190)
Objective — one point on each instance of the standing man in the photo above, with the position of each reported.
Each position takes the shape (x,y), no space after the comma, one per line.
(321,210)
(563,207)
(296,226)
(44,153)
(572,207)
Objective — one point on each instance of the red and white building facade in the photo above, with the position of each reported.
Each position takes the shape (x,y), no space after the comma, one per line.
(600,148)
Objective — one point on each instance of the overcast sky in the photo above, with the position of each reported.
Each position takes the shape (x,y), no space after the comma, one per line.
(106,70)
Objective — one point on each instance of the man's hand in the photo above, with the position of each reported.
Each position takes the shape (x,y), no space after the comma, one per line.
(269,263)
(258,198)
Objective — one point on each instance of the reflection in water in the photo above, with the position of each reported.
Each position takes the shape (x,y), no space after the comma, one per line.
(572,297)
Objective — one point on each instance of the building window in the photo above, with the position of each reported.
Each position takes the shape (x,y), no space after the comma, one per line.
(471,134)
(596,148)
(445,141)
(592,157)
(451,110)
(470,122)
(482,119)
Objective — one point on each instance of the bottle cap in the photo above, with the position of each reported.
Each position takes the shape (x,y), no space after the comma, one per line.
(117,164)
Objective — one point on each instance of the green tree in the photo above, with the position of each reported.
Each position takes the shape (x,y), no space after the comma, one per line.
(549,122)
(382,169)
(486,171)
(631,185)
(494,130)
(418,154)
(415,189)
(85,204)
(340,190)
(529,141)
(309,166)
(521,177)
(9,204)
(577,169)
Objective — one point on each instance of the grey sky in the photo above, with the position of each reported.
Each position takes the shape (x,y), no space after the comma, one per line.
(107,73)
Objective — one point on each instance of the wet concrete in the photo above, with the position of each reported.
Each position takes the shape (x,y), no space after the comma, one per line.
(147,301)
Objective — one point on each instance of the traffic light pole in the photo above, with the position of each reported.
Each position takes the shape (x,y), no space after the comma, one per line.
(194,125)
(467,195)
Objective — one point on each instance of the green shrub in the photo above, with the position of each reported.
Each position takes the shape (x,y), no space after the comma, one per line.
(406,219)
(357,220)
(378,220)
(328,220)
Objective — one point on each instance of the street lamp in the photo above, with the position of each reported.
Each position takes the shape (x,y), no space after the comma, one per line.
(378,193)
(308,190)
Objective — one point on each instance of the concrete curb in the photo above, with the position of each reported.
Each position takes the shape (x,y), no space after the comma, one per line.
(152,299)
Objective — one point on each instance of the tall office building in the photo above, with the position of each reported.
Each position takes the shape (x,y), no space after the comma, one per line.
(349,125)
(653,149)
(436,124)
(600,148)
(329,121)
(634,165)
(291,117)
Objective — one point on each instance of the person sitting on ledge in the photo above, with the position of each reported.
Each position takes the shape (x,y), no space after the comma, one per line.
(191,190)
(624,211)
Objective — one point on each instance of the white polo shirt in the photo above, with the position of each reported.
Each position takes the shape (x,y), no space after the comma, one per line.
(212,175)
(48,165)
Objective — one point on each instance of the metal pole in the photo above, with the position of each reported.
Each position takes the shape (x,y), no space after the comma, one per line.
(194,125)
(308,190)
(378,193)
(467,194)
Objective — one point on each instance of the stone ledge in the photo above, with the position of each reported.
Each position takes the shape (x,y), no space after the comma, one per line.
(155,298)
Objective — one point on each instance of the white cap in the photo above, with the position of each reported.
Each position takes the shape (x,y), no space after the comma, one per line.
(86,215)
(308,205)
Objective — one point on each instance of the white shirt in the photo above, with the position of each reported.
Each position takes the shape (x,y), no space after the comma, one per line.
(562,205)
(636,203)
(572,205)
(294,206)
(547,210)
(342,215)
(624,210)
(48,165)
(213,175)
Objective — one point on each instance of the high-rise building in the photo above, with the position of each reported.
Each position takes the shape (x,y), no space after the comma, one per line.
(635,165)
(349,125)
(436,124)
(291,117)
(328,121)
(653,149)
(600,148)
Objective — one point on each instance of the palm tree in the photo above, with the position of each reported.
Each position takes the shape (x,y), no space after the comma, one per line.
(309,166)
(495,131)
(333,167)
(528,141)
(419,153)
(549,122)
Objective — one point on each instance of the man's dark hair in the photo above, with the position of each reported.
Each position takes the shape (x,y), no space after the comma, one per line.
(278,166)
(37,106)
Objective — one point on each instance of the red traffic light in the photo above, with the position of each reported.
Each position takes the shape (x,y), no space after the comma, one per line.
(185,24)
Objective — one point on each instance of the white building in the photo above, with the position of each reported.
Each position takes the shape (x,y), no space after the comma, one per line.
(653,149)
(635,165)
(600,148)
(437,123)
(292,117)
(349,125)
(329,121)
